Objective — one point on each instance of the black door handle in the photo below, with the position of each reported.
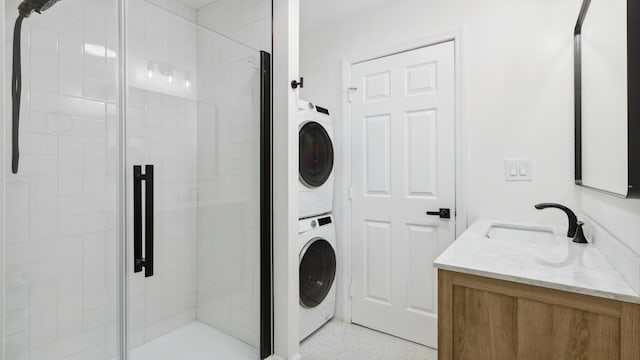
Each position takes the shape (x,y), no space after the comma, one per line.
(141,261)
(443,213)
(297,84)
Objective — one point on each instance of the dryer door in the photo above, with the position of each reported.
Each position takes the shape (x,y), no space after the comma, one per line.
(317,272)
(316,154)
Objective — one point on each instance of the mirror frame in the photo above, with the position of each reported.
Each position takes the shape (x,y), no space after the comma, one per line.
(633,97)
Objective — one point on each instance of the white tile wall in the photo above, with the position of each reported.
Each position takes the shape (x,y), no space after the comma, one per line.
(163,41)
(245,21)
(60,248)
(162,131)
(61,233)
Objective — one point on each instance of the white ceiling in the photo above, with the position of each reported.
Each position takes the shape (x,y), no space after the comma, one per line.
(317,13)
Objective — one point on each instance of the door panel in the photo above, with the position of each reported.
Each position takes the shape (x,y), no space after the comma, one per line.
(377,177)
(422,151)
(403,166)
(422,280)
(378,262)
(195,115)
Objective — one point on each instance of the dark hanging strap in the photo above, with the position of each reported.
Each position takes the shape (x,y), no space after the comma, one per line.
(16,89)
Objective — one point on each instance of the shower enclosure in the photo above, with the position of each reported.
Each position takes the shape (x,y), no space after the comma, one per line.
(139,219)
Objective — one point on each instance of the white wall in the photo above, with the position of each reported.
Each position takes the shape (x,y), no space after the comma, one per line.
(517,78)
(621,217)
(285,178)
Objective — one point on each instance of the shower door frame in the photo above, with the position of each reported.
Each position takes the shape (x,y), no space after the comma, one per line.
(123,267)
(3,199)
(266,207)
(266,335)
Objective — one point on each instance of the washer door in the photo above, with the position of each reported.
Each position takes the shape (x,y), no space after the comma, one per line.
(316,154)
(317,272)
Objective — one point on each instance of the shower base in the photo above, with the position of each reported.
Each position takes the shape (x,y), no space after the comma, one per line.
(195,341)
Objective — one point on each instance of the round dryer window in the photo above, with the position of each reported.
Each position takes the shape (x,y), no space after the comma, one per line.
(317,272)
(316,154)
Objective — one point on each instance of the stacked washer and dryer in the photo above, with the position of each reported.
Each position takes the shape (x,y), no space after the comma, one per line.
(316,230)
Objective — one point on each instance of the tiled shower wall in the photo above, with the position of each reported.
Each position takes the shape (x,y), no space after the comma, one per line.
(245,21)
(61,234)
(61,218)
(229,187)
(229,163)
(162,131)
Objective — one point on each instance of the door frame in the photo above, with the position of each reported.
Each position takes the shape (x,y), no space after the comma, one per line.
(461,217)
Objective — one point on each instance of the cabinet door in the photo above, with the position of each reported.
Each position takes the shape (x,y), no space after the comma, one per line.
(489,325)
(491,319)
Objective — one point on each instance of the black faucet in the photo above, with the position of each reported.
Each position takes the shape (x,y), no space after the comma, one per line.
(575,227)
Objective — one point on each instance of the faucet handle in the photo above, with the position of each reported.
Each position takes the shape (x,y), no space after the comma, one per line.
(580,238)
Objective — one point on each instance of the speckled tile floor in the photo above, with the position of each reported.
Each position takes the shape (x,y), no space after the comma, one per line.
(338,340)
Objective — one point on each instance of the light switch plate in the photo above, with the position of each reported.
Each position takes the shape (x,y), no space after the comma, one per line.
(518,170)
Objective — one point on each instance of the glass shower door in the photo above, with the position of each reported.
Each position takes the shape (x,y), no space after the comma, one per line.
(194,151)
(61,239)
(197,278)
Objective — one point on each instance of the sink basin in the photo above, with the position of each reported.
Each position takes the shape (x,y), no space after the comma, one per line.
(539,255)
(520,233)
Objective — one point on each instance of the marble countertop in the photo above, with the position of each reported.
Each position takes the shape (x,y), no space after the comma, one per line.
(548,259)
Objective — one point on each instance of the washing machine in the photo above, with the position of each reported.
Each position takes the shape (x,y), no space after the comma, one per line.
(315,165)
(317,240)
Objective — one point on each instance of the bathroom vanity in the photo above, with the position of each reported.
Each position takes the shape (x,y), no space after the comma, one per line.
(509,291)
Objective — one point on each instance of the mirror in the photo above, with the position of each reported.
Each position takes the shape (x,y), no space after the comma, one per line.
(607,96)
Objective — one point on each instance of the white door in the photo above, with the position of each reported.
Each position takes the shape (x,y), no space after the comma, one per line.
(403,165)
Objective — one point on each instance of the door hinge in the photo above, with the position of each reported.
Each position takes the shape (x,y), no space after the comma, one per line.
(350,193)
(351,290)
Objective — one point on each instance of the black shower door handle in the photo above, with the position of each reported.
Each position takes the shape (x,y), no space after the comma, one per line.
(143,261)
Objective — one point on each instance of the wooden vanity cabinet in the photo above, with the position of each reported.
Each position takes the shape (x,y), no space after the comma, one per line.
(481,318)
